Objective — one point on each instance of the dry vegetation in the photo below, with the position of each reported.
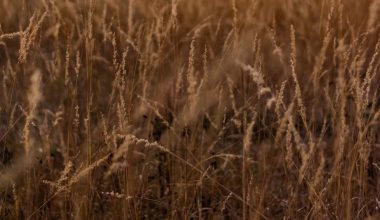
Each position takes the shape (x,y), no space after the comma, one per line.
(189,109)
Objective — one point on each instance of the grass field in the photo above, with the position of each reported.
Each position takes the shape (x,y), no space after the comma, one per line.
(189,109)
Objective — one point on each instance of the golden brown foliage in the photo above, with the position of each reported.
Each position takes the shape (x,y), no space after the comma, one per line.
(189,109)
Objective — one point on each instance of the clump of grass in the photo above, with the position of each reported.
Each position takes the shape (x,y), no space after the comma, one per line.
(187,110)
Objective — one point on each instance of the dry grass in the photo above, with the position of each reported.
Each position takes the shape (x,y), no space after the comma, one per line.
(236,109)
